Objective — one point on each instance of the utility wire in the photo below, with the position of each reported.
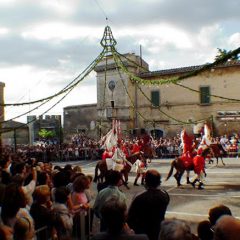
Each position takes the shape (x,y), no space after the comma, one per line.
(121,65)
(67,92)
(101,9)
(74,82)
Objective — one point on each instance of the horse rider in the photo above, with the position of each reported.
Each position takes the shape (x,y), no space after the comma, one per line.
(199,169)
(126,149)
(206,142)
(107,154)
(136,148)
(187,153)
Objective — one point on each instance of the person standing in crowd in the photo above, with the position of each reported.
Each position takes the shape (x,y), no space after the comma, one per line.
(205,228)
(41,211)
(114,214)
(174,229)
(227,228)
(63,218)
(114,181)
(148,208)
(5,164)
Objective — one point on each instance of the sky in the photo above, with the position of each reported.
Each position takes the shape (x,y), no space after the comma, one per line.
(45,44)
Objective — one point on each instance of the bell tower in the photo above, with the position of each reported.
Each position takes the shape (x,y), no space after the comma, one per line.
(116,93)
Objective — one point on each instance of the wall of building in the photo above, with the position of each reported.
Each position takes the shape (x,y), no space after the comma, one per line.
(14,133)
(184,104)
(78,119)
(48,122)
(136,112)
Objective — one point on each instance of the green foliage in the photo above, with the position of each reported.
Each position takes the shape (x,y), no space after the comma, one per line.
(45,134)
(222,53)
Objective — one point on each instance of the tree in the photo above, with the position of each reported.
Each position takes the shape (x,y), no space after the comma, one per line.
(45,134)
(223,53)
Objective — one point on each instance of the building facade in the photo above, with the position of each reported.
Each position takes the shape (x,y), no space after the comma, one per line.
(80,119)
(14,133)
(48,122)
(163,110)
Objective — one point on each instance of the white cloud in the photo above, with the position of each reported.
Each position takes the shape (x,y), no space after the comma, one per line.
(4,31)
(45,44)
(234,40)
(61,31)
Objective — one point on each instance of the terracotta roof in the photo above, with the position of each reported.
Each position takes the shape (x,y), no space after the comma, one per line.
(185,69)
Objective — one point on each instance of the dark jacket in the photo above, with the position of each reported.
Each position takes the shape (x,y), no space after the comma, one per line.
(147,211)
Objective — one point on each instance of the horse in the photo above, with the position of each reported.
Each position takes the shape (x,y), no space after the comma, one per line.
(217,151)
(101,167)
(180,167)
(148,152)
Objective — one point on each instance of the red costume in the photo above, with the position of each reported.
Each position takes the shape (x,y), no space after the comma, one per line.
(136,148)
(199,162)
(146,139)
(187,149)
(126,150)
(107,154)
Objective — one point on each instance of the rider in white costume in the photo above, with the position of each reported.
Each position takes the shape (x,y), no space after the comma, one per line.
(206,139)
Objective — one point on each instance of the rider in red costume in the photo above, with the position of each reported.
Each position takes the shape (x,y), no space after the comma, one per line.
(126,149)
(187,153)
(146,139)
(107,154)
(136,148)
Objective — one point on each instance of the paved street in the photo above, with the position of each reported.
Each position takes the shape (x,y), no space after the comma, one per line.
(222,186)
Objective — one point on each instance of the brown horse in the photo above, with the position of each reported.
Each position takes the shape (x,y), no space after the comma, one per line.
(180,168)
(217,151)
(101,167)
(148,152)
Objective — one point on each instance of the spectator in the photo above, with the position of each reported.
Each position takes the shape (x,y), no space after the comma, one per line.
(6,232)
(227,228)
(80,204)
(175,230)
(41,211)
(113,214)
(216,212)
(63,218)
(23,229)
(205,228)
(114,181)
(79,197)
(148,208)
(5,164)
(14,206)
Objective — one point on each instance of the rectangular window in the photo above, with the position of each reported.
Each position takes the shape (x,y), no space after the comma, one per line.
(155,98)
(205,95)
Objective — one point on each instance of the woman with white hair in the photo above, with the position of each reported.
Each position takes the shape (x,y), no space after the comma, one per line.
(174,229)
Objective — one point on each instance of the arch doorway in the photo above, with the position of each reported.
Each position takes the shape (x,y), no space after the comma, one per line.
(156,133)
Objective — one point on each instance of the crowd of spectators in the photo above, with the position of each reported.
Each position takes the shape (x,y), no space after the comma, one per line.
(39,200)
(42,201)
(82,147)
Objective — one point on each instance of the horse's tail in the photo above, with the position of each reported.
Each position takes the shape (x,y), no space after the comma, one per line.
(171,169)
(95,179)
